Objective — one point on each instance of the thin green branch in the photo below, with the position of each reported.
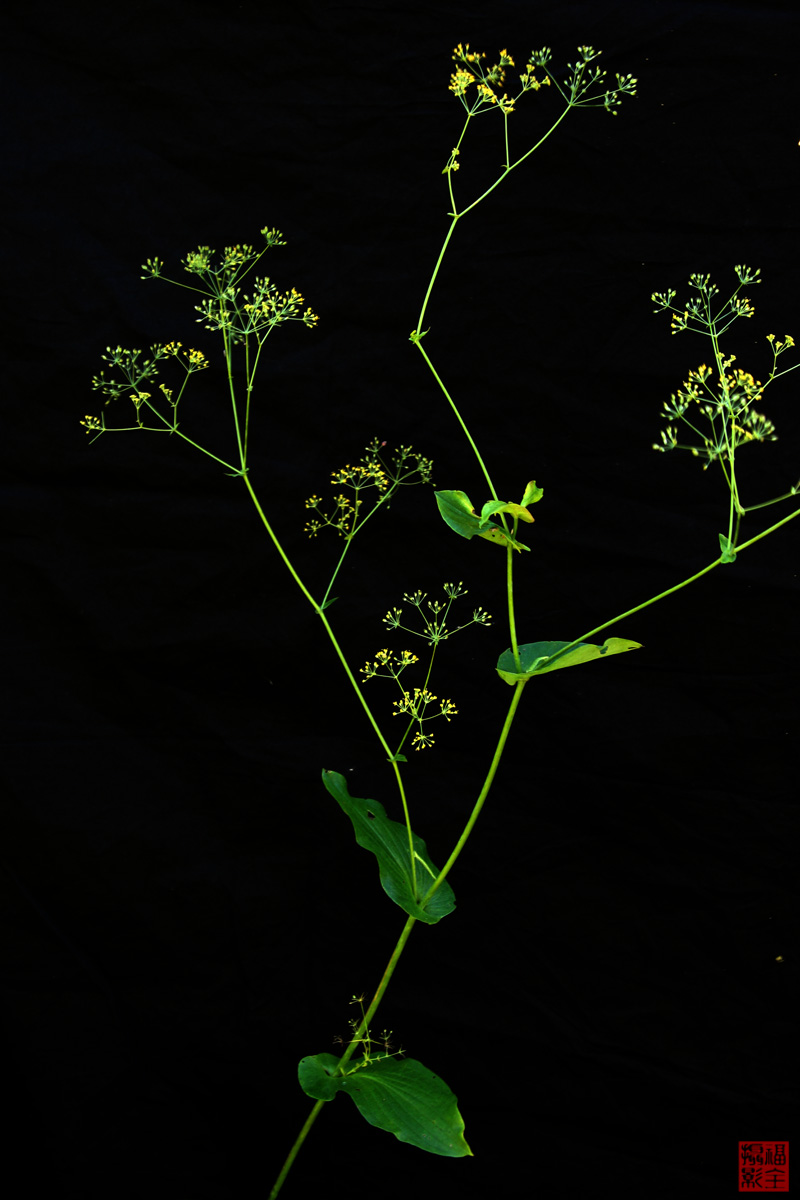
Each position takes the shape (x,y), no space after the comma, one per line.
(343,660)
(484,792)
(460,420)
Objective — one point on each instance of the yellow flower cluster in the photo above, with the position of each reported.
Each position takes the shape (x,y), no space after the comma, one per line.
(388,665)
(342,518)
(740,385)
(405,467)
(272,306)
(362,475)
(415,704)
(778,346)
(488,82)
(198,261)
(196,359)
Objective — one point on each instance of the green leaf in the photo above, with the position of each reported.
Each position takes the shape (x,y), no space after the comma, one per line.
(494,534)
(317,1076)
(388,841)
(533,493)
(519,512)
(495,506)
(398,1095)
(490,508)
(457,512)
(537,658)
(726,546)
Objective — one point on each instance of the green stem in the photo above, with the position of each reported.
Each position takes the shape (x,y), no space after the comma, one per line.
(766,532)
(336,571)
(639,607)
(439,260)
(484,792)
(363,1028)
(460,420)
(457,216)
(249,378)
(419,332)
(229,364)
(317,608)
(340,654)
(203,450)
(507,171)
(678,586)
(170,429)
(358,1036)
(512,624)
(292,1155)
(349,537)
(767,503)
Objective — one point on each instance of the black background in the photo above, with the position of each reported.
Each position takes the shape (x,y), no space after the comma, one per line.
(185,911)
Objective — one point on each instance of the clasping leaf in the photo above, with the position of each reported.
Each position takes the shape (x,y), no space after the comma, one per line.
(537,658)
(398,1095)
(388,841)
(457,512)
(726,546)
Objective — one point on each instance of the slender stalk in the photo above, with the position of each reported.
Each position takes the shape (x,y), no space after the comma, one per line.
(170,429)
(340,655)
(738,549)
(418,334)
(512,624)
(461,422)
(349,538)
(767,503)
(458,215)
(507,171)
(639,607)
(292,1155)
(318,610)
(363,1027)
(484,792)
(439,261)
(766,532)
(228,344)
(203,449)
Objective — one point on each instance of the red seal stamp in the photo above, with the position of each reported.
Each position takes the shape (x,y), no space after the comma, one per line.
(763,1166)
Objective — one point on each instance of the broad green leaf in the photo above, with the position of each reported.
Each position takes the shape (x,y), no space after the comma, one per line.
(533,493)
(495,506)
(490,508)
(518,511)
(317,1076)
(537,658)
(457,512)
(399,1095)
(388,841)
(726,546)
